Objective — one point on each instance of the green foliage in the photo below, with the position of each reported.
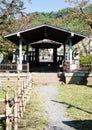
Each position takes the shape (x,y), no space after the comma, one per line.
(88,9)
(8,58)
(6,50)
(67,18)
(62,13)
(2,123)
(86,59)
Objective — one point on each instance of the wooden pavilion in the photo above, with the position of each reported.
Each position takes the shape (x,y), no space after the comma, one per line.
(44,36)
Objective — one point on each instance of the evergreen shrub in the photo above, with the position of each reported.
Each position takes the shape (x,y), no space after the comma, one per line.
(86,59)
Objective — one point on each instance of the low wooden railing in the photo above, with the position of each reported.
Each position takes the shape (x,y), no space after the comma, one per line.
(13,67)
(15,106)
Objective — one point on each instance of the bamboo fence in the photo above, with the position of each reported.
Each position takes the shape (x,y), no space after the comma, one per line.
(14,107)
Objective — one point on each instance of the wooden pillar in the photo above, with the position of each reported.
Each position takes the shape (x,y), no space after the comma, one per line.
(27,52)
(37,55)
(27,58)
(70,54)
(65,52)
(70,49)
(54,56)
(20,55)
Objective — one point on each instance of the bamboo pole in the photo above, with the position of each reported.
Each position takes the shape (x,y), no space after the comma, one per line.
(22,100)
(15,111)
(8,80)
(18,94)
(29,87)
(30,84)
(7,111)
(23,97)
(25,92)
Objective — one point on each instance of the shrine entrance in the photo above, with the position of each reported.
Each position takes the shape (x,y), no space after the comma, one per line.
(43,56)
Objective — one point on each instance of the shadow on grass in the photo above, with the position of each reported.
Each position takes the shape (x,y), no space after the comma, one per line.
(80,124)
(90,86)
(2,123)
(77,125)
(69,106)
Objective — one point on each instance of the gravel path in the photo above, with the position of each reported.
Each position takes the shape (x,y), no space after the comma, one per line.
(56,111)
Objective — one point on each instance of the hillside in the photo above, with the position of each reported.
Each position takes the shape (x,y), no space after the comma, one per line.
(68,18)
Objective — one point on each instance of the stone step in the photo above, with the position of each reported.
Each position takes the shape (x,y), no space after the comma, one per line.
(45,78)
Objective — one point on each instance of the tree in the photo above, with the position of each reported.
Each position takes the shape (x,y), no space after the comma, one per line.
(80,14)
(10,9)
(80,4)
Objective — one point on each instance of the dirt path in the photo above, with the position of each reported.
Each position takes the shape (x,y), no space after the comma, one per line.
(56,111)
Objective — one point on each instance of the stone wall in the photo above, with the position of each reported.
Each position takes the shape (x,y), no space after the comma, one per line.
(83,78)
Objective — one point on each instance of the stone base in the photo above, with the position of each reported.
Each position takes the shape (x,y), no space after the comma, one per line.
(83,78)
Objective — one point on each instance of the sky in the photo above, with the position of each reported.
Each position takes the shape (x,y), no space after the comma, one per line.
(45,5)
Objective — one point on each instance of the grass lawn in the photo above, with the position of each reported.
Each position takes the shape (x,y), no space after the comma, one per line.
(78,101)
(35,117)
(2,94)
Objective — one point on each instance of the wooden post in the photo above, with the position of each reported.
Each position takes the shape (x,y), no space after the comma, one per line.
(70,56)
(15,111)
(7,111)
(20,55)
(64,52)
